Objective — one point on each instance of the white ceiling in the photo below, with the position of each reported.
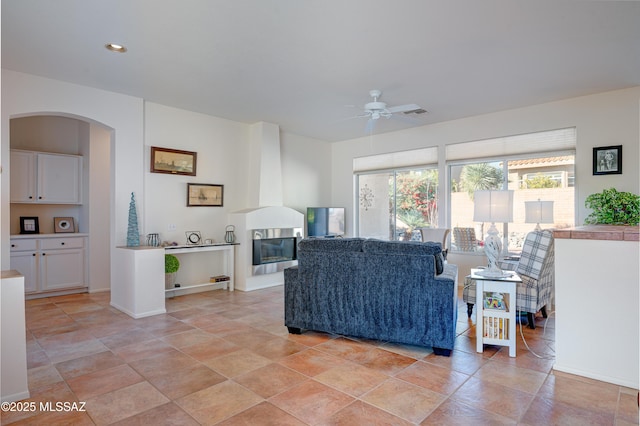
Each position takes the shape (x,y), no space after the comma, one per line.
(298,63)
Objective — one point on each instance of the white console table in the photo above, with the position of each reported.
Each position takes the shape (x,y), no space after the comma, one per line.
(137,282)
(195,280)
(138,289)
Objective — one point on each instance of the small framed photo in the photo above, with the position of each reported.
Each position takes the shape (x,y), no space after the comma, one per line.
(29,225)
(194,238)
(173,161)
(204,195)
(607,160)
(63,224)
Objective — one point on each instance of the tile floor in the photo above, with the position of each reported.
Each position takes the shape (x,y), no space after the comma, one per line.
(226,358)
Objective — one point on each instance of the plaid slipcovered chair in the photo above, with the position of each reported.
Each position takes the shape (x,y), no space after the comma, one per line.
(465,239)
(536,267)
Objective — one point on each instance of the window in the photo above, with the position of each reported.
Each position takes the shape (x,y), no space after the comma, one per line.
(536,166)
(393,205)
(532,178)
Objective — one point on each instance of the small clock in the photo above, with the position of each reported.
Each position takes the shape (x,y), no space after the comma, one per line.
(193,237)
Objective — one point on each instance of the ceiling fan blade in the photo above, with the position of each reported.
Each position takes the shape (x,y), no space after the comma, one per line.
(408,119)
(403,108)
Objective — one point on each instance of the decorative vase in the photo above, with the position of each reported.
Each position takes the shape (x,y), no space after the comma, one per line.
(133,235)
(492,249)
(229,236)
(169,280)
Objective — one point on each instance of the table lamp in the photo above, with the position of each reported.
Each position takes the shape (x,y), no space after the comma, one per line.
(538,212)
(493,206)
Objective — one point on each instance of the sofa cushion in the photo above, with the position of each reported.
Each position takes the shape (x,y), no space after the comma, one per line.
(413,248)
(331,244)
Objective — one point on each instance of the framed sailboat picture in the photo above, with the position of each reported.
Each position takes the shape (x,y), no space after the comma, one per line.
(204,195)
(173,161)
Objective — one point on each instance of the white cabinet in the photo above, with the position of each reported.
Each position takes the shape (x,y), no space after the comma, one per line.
(23,177)
(50,263)
(496,311)
(45,178)
(27,263)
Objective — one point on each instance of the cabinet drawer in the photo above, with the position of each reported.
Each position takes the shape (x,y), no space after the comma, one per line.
(23,245)
(61,243)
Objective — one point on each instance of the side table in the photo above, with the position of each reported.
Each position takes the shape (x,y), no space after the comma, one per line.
(496,310)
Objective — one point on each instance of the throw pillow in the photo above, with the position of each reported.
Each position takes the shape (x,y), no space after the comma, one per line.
(439,263)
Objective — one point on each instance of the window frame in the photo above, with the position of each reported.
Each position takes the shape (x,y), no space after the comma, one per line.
(505,184)
(394,172)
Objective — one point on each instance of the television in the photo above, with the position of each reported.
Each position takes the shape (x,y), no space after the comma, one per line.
(325,221)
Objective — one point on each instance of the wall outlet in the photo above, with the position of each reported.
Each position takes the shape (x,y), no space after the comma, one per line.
(171,227)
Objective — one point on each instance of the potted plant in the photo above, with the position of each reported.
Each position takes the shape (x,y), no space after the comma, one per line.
(171,266)
(613,208)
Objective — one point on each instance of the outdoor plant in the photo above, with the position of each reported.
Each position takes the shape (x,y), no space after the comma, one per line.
(171,264)
(613,208)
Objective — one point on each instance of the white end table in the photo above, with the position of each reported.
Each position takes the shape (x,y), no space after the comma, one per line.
(496,323)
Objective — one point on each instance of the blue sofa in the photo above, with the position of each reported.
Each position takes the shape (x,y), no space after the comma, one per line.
(383,290)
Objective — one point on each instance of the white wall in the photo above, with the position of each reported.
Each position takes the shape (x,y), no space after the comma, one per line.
(306,172)
(161,199)
(98,182)
(221,146)
(223,149)
(597,322)
(24,94)
(604,119)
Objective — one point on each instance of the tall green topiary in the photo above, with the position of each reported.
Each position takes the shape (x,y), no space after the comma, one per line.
(171,264)
(613,208)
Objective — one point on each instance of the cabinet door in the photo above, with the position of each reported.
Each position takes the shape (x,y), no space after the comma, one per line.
(62,269)
(23,182)
(26,262)
(59,179)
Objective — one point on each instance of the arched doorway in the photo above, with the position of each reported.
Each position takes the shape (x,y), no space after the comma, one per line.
(93,141)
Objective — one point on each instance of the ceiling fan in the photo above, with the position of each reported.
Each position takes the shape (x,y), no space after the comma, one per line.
(376,109)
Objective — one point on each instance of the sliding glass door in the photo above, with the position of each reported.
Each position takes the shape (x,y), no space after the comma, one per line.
(393,205)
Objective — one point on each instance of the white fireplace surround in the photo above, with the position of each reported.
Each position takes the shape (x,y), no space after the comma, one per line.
(245,222)
(265,194)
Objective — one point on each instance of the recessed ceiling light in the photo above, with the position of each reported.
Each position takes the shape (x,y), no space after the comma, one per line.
(116,47)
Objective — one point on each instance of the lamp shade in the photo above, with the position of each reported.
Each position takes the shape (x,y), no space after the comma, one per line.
(538,211)
(493,206)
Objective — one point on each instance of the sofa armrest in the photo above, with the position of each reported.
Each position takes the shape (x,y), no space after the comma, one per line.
(450,272)
(294,312)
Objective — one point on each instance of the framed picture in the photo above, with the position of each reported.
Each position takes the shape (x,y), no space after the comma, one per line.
(194,238)
(173,161)
(63,224)
(607,160)
(204,195)
(29,225)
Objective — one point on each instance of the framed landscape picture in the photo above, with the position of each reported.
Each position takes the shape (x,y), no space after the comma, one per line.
(173,161)
(607,160)
(204,195)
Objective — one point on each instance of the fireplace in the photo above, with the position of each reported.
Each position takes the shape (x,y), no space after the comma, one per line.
(274,249)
